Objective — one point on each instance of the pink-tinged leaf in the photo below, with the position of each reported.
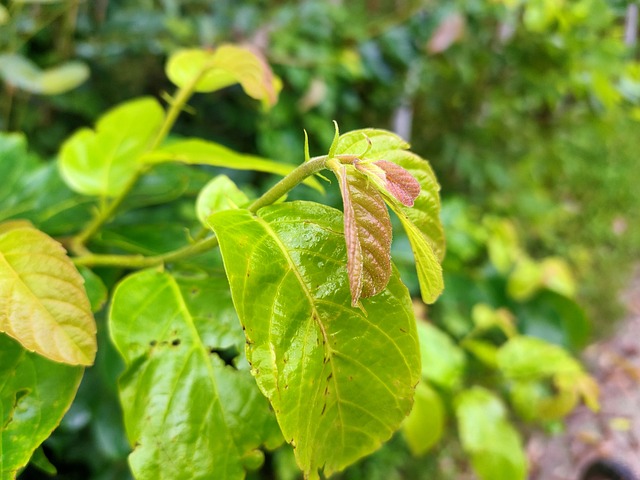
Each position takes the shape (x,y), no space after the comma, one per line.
(367,231)
(399,182)
(448,32)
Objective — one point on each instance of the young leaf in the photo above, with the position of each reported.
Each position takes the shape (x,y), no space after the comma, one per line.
(202,152)
(393,179)
(427,265)
(224,66)
(190,410)
(376,149)
(486,434)
(43,302)
(35,393)
(340,381)
(367,232)
(219,194)
(101,162)
(384,145)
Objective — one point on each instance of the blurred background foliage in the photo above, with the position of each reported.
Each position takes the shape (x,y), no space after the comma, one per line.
(527,109)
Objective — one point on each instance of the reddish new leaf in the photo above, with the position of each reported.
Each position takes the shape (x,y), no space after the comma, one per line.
(367,231)
(395,180)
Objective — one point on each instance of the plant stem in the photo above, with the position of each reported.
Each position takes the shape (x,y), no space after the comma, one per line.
(183,95)
(272,195)
(287,183)
(140,261)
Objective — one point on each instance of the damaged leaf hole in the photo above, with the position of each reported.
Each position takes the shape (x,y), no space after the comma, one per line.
(227,355)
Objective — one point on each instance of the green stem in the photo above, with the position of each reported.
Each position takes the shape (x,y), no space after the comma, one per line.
(183,95)
(140,261)
(272,195)
(281,188)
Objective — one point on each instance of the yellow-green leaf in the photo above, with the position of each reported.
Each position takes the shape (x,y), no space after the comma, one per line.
(43,304)
(25,75)
(194,151)
(224,66)
(101,162)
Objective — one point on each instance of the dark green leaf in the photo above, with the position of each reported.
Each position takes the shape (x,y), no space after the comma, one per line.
(34,395)
(191,410)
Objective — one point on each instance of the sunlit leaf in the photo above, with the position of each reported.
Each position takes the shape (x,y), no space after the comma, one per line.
(487,436)
(424,426)
(367,232)
(340,381)
(101,162)
(34,395)
(190,409)
(43,303)
(25,75)
(202,152)
(219,194)
(224,66)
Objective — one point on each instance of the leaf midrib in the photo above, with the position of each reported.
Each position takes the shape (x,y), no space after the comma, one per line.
(315,315)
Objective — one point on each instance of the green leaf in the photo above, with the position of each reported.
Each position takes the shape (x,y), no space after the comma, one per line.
(43,303)
(422,220)
(367,232)
(443,362)
(340,381)
(96,290)
(25,75)
(486,434)
(224,66)
(190,410)
(103,161)
(202,152)
(35,191)
(427,265)
(221,193)
(530,358)
(424,426)
(34,395)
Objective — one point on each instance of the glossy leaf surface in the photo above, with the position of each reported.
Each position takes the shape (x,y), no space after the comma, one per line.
(224,66)
(34,395)
(101,162)
(486,434)
(367,232)
(43,303)
(190,409)
(202,152)
(339,380)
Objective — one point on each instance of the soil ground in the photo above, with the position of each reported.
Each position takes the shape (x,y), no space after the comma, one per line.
(614,431)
